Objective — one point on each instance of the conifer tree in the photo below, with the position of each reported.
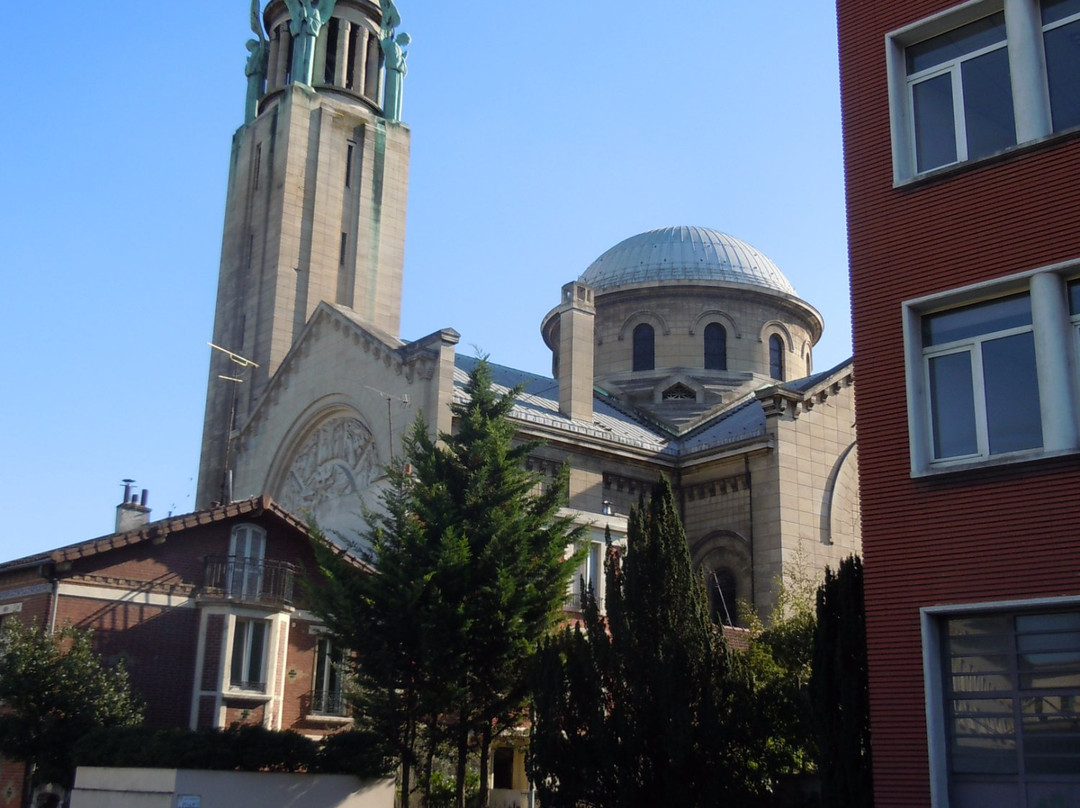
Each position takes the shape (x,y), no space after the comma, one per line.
(653,709)
(839,690)
(470,573)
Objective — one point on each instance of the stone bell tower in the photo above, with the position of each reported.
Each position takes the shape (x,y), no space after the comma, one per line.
(316,199)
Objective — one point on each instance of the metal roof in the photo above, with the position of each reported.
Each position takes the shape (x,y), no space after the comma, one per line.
(684,254)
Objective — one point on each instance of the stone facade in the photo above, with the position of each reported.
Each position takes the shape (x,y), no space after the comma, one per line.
(681,352)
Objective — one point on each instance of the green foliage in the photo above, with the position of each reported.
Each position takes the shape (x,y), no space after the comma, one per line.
(470,575)
(779,658)
(56,690)
(649,707)
(840,691)
(241,747)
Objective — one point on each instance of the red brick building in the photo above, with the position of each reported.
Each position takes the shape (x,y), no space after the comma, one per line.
(206,610)
(962,156)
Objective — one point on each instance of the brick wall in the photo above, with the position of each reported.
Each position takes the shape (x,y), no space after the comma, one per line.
(984,535)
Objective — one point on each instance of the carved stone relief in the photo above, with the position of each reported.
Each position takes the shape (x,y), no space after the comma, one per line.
(331,475)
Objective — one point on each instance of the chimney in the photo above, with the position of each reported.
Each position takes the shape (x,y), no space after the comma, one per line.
(576,348)
(132,513)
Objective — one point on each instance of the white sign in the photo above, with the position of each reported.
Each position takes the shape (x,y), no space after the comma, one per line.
(189,801)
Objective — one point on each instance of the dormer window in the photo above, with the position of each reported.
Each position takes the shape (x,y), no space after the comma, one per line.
(679,392)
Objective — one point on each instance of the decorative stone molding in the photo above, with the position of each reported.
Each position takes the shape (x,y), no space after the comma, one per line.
(642,316)
(716,488)
(616,482)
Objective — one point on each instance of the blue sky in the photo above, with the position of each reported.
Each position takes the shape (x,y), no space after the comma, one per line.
(542,135)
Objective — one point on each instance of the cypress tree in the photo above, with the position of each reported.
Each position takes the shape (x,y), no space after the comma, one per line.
(654,709)
(839,690)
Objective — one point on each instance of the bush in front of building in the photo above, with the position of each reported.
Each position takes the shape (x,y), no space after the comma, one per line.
(241,747)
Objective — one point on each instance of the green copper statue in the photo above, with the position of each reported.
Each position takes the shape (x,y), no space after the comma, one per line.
(255,69)
(392,47)
(308,18)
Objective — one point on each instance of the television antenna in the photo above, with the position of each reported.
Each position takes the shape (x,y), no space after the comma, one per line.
(243,363)
(390,398)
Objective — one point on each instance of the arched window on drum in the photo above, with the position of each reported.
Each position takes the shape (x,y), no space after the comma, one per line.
(715,347)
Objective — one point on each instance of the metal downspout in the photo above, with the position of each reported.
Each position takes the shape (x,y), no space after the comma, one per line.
(750,508)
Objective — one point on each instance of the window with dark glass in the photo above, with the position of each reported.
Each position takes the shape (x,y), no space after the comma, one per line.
(961,94)
(327,697)
(644,347)
(722,596)
(981,378)
(776,357)
(1061,43)
(715,347)
(247,669)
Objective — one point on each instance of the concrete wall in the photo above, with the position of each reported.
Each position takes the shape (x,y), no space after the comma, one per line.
(182,788)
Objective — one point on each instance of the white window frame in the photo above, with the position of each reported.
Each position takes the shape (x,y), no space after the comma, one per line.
(1057,357)
(267,629)
(1027,69)
(932,618)
(954,69)
(325,653)
(244,572)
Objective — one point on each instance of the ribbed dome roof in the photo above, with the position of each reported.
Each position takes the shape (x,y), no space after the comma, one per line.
(684,254)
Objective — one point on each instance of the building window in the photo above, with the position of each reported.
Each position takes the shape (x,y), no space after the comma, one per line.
(1061,44)
(960,94)
(1005,705)
(978,79)
(328,697)
(715,347)
(776,357)
(644,347)
(247,667)
(991,378)
(349,149)
(256,167)
(588,575)
(980,375)
(723,593)
(244,571)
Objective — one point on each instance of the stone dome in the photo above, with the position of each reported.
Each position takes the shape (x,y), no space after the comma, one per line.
(684,254)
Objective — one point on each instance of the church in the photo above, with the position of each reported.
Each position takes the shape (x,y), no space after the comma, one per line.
(682,351)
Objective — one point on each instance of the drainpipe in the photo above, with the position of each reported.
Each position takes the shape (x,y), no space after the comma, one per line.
(750,508)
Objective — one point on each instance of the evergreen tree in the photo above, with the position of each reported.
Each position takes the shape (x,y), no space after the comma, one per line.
(55,690)
(470,573)
(839,690)
(653,708)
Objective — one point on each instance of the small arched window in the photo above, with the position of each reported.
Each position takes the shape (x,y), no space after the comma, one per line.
(722,596)
(644,347)
(715,347)
(776,357)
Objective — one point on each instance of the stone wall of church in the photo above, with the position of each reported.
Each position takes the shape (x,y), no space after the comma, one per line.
(335,415)
(679,316)
(806,514)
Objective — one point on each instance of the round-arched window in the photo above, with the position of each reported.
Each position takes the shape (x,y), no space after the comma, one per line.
(776,357)
(715,347)
(644,347)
